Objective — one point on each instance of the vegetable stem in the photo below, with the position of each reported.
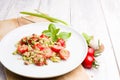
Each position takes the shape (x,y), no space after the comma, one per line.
(42,15)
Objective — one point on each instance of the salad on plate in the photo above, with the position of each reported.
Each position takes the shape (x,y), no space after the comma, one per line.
(49,45)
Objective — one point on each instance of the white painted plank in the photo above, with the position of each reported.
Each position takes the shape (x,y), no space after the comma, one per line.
(56,8)
(111,10)
(11,9)
(87,16)
(22,5)
(5,5)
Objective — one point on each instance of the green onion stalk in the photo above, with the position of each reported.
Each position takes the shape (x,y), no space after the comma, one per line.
(42,15)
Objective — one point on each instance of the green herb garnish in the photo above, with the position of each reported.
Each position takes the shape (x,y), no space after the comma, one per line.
(53,32)
(87,37)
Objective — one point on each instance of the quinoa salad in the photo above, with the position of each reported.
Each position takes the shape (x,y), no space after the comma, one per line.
(49,45)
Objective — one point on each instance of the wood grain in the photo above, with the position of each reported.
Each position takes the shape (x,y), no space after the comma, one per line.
(77,74)
(111,10)
(5,28)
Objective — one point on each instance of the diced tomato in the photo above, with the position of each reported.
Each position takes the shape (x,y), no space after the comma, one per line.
(47,52)
(34,38)
(39,46)
(23,41)
(43,36)
(40,63)
(40,60)
(64,54)
(61,42)
(22,49)
(56,48)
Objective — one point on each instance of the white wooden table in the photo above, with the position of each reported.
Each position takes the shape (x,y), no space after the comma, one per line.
(100,18)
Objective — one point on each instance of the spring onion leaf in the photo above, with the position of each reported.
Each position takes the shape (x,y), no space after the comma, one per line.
(42,15)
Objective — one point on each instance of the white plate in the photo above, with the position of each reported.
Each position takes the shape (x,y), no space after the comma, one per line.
(76,45)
